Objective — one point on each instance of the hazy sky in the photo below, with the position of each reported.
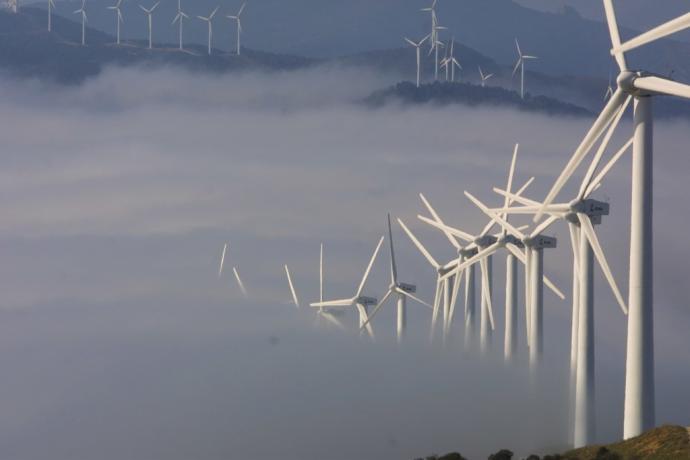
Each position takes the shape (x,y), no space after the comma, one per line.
(119,341)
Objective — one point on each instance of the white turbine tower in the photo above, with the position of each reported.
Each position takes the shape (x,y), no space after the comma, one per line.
(323,313)
(418,46)
(436,44)
(295,300)
(179,18)
(149,16)
(51,5)
(84,20)
(118,18)
(483,77)
(642,86)
(238,19)
(402,290)
(209,20)
(240,284)
(520,64)
(358,301)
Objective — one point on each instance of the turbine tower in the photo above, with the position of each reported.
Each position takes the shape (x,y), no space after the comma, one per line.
(402,290)
(149,16)
(639,413)
(239,26)
(358,301)
(483,77)
(84,20)
(179,18)
(418,46)
(118,18)
(51,5)
(520,64)
(209,20)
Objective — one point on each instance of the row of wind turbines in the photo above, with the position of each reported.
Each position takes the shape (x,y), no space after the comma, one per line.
(449,62)
(179,19)
(528,244)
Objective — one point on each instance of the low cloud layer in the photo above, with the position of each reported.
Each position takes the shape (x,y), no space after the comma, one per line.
(120,341)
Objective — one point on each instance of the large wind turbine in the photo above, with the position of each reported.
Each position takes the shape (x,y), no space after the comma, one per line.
(84,20)
(484,77)
(239,25)
(149,15)
(581,214)
(119,20)
(358,301)
(209,20)
(402,290)
(418,46)
(443,288)
(179,18)
(642,86)
(520,64)
(51,5)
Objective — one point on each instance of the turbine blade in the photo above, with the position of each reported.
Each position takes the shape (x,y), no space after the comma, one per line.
(657,33)
(222,259)
(502,222)
(321,274)
(585,146)
(419,245)
(363,313)
(589,233)
(368,270)
(615,33)
(292,287)
(416,299)
(605,170)
(511,173)
(437,218)
(447,229)
(376,310)
(394,269)
(544,225)
(660,85)
(240,283)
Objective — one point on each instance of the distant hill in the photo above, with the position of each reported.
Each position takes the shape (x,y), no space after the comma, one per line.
(664,443)
(445,93)
(28,50)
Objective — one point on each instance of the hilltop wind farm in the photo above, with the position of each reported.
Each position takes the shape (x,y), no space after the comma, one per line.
(419,229)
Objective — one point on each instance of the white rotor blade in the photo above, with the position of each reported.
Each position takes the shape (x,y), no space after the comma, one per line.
(513,197)
(657,33)
(222,260)
(615,34)
(662,86)
(511,172)
(454,294)
(590,234)
(492,222)
(419,245)
(544,225)
(321,274)
(495,216)
(376,310)
(600,177)
(371,263)
(489,250)
(416,299)
(332,319)
(446,229)
(239,282)
(333,303)
(585,146)
(437,303)
(394,269)
(438,219)
(363,312)
(292,287)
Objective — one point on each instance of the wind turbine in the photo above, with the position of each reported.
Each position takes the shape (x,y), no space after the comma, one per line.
(295,300)
(402,290)
(358,301)
(84,20)
(179,18)
(639,413)
(520,64)
(436,43)
(453,61)
(483,77)
(234,271)
(149,14)
(209,20)
(118,18)
(581,214)
(418,46)
(51,5)
(322,312)
(239,25)
(443,287)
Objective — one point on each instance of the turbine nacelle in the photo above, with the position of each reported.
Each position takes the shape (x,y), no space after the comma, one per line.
(590,207)
(512,239)
(405,287)
(485,241)
(541,242)
(366,301)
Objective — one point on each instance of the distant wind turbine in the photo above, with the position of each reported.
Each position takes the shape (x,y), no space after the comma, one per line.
(119,18)
(520,64)
(484,78)
(418,47)
(51,5)
(239,26)
(149,14)
(181,16)
(84,20)
(450,63)
(209,20)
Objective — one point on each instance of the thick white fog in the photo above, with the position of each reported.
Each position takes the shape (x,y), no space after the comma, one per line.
(118,340)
